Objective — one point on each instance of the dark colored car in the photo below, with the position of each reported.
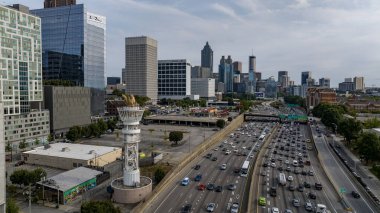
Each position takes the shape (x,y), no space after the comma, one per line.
(306,184)
(198,177)
(236,170)
(186,208)
(355,194)
(210,186)
(273,192)
(219,188)
(318,186)
(209,155)
(197,167)
(312,195)
(214,159)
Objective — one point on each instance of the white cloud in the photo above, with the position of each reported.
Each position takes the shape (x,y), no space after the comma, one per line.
(300,4)
(225,10)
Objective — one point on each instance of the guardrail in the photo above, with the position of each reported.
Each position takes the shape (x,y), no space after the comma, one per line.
(176,171)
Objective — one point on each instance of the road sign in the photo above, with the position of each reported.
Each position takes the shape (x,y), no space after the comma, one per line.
(342,190)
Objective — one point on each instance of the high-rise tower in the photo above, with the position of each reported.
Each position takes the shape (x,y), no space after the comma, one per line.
(251,89)
(141,70)
(304,76)
(73,44)
(207,57)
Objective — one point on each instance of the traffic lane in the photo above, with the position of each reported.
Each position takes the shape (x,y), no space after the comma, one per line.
(237,161)
(359,205)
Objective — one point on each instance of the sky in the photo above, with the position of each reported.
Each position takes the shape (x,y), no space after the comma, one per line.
(330,38)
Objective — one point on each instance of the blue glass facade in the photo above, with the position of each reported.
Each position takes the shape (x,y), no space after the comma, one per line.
(226,74)
(73,45)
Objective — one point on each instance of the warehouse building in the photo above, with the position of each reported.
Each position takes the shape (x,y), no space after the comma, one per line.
(69,156)
(67,186)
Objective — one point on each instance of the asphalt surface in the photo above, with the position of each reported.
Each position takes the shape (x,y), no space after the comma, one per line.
(339,176)
(267,176)
(174,198)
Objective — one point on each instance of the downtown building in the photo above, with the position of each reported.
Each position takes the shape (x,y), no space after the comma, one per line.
(73,43)
(141,71)
(174,79)
(226,75)
(21,81)
(207,57)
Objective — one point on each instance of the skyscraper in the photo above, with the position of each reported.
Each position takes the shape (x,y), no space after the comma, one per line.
(140,73)
(226,74)
(304,76)
(324,82)
(73,44)
(58,3)
(280,74)
(22,90)
(252,78)
(207,57)
(359,84)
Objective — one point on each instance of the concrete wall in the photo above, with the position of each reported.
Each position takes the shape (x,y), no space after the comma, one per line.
(176,171)
(98,99)
(68,106)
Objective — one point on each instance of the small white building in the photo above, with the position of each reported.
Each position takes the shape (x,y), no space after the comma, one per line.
(204,87)
(69,155)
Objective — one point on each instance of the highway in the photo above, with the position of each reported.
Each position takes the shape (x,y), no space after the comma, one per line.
(175,197)
(338,176)
(265,176)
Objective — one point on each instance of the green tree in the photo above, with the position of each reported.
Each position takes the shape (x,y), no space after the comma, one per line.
(19,177)
(368,146)
(36,141)
(102,126)
(12,206)
(330,117)
(94,129)
(175,136)
(146,113)
(22,145)
(37,174)
(86,131)
(50,138)
(111,123)
(350,129)
(117,92)
(74,133)
(245,104)
(372,123)
(202,103)
(159,174)
(221,123)
(142,100)
(99,207)
(8,147)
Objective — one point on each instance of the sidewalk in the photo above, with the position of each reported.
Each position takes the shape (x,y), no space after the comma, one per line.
(371,180)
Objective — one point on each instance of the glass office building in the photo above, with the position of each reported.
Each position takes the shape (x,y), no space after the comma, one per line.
(73,45)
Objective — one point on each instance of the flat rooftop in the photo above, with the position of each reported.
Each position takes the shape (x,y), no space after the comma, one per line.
(70,179)
(72,151)
(183,118)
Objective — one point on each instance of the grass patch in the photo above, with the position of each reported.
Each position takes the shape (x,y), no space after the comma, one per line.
(149,170)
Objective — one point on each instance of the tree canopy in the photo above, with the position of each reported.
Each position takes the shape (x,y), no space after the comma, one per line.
(349,128)
(368,146)
(221,123)
(176,136)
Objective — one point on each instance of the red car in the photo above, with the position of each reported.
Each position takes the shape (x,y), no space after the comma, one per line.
(201,187)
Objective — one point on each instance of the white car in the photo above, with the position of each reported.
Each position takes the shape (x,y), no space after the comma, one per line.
(287,162)
(290,178)
(216,149)
(235,208)
(275,210)
(211,207)
(273,165)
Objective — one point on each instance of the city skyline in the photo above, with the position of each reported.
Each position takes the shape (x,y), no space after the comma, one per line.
(290,28)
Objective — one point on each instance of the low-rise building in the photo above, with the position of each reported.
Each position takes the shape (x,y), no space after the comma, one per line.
(317,95)
(70,185)
(363,105)
(69,155)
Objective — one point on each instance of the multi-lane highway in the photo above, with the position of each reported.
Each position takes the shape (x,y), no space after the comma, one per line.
(338,175)
(291,143)
(243,146)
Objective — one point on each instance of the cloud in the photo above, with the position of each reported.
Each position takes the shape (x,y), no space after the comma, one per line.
(300,4)
(226,10)
(332,38)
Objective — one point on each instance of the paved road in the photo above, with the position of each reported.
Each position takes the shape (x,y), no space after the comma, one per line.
(267,176)
(176,196)
(338,175)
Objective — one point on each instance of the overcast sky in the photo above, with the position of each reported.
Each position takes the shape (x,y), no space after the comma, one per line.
(331,38)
